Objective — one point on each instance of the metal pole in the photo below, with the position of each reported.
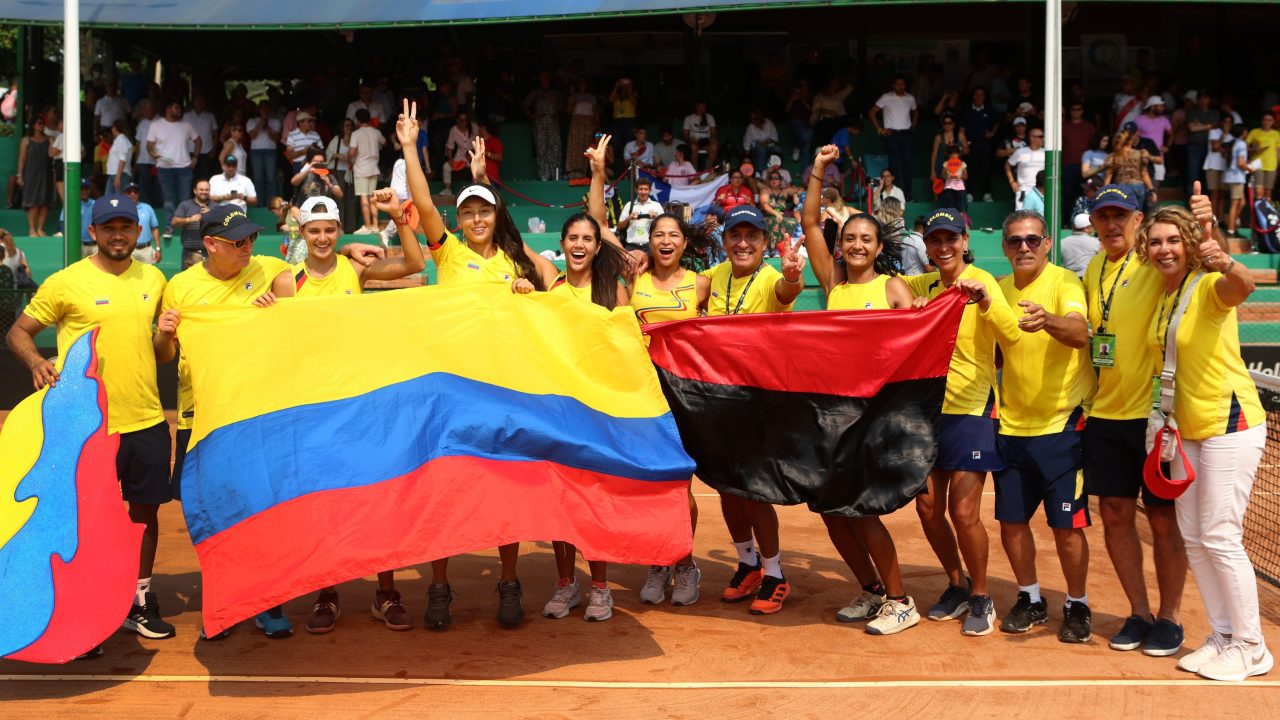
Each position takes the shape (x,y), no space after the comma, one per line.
(1053,119)
(71,129)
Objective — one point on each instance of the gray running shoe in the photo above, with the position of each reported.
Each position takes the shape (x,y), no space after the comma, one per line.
(685,591)
(654,590)
(982,617)
(510,605)
(953,603)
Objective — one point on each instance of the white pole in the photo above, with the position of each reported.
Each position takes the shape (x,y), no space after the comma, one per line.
(1053,117)
(71,129)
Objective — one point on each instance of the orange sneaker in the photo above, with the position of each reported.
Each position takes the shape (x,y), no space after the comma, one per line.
(744,583)
(773,592)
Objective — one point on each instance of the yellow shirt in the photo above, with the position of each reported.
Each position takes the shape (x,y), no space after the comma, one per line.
(342,280)
(195,286)
(458,264)
(1267,142)
(971,379)
(732,296)
(1124,390)
(1214,394)
(1044,382)
(124,307)
(561,286)
(654,306)
(865,296)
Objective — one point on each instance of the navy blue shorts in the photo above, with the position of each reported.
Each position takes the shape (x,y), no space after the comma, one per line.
(142,464)
(1045,469)
(968,442)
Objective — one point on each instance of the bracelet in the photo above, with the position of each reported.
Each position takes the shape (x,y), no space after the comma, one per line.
(792,282)
(401,221)
(1229,266)
(817,177)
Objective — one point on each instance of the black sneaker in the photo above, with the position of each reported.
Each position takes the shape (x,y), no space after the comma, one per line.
(510,607)
(218,636)
(96,652)
(325,613)
(1077,623)
(1165,639)
(1132,634)
(439,596)
(146,621)
(1024,614)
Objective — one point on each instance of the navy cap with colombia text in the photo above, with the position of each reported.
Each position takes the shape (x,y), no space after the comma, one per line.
(1113,196)
(748,214)
(944,219)
(228,222)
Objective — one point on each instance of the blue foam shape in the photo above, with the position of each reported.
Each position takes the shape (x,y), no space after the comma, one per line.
(69,416)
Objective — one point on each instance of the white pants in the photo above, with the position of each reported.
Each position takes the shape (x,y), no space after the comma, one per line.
(1211,518)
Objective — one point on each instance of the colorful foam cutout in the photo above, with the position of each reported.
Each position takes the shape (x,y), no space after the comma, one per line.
(68,552)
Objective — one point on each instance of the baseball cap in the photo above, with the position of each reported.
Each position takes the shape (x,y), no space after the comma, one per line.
(112,206)
(303,115)
(132,186)
(1019,121)
(1026,107)
(1081,221)
(228,222)
(477,190)
(319,207)
(1191,95)
(85,182)
(1153,101)
(1113,196)
(748,214)
(774,162)
(944,219)
(231,160)
(1130,127)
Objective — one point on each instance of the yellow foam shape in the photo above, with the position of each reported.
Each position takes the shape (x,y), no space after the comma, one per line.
(21,438)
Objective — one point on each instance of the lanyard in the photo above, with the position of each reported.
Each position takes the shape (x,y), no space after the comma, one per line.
(728,291)
(1106,304)
(1164,341)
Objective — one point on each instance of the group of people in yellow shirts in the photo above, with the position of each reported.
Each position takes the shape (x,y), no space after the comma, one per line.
(1049,390)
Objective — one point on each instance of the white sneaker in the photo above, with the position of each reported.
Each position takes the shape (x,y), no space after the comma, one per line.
(1239,661)
(864,606)
(686,586)
(600,606)
(987,198)
(1211,649)
(969,197)
(564,599)
(894,617)
(654,590)
(795,155)
(362,231)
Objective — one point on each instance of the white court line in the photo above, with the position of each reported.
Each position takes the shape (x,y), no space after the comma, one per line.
(619,685)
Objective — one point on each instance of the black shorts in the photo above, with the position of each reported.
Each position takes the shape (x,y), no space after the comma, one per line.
(1114,452)
(1042,470)
(180,454)
(142,464)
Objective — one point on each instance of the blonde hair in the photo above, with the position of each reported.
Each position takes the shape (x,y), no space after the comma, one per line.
(1189,231)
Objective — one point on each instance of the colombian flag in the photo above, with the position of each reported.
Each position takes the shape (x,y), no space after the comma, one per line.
(335,437)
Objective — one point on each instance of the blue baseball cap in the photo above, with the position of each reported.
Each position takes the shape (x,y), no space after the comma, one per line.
(749,214)
(944,219)
(1113,196)
(112,206)
(228,222)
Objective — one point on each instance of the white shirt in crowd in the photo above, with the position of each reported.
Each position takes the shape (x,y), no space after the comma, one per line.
(1027,163)
(263,141)
(121,151)
(1078,249)
(205,125)
(399,181)
(679,174)
(638,227)
(375,110)
(914,257)
(699,127)
(144,155)
(458,144)
(1234,174)
(897,110)
(298,140)
(110,109)
(220,185)
(763,135)
(894,192)
(1216,160)
(171,140)
(645,158)
(1127,108)
(366,141)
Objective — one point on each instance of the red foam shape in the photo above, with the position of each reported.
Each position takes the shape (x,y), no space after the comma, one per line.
(94,592)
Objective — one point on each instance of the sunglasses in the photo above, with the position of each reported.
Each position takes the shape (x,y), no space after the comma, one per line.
(237,244)
(775,177)
(1031,241)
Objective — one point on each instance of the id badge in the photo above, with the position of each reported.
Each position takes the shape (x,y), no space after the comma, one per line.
(1102,350)
(1155,392)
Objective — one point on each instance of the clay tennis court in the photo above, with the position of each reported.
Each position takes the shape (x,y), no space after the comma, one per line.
(707,660)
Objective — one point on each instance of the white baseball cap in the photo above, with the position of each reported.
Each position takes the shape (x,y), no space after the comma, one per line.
(1081,221)
(1153,101)
(319,207)
(480,191)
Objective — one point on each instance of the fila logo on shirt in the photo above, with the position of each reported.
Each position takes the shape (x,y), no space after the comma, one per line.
(868,306)
(1124,282)
(1066,507)
(977,454)
(145,297)
(248,285)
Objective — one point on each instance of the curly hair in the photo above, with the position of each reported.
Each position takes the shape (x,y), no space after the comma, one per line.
(889,261)
(1188,230)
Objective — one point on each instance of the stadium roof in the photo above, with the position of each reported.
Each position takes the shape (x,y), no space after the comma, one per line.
(307,14)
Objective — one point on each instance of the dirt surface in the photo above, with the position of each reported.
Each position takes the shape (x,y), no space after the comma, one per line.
(707,660)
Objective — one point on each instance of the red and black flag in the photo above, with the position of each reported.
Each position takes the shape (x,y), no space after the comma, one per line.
(838,409)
